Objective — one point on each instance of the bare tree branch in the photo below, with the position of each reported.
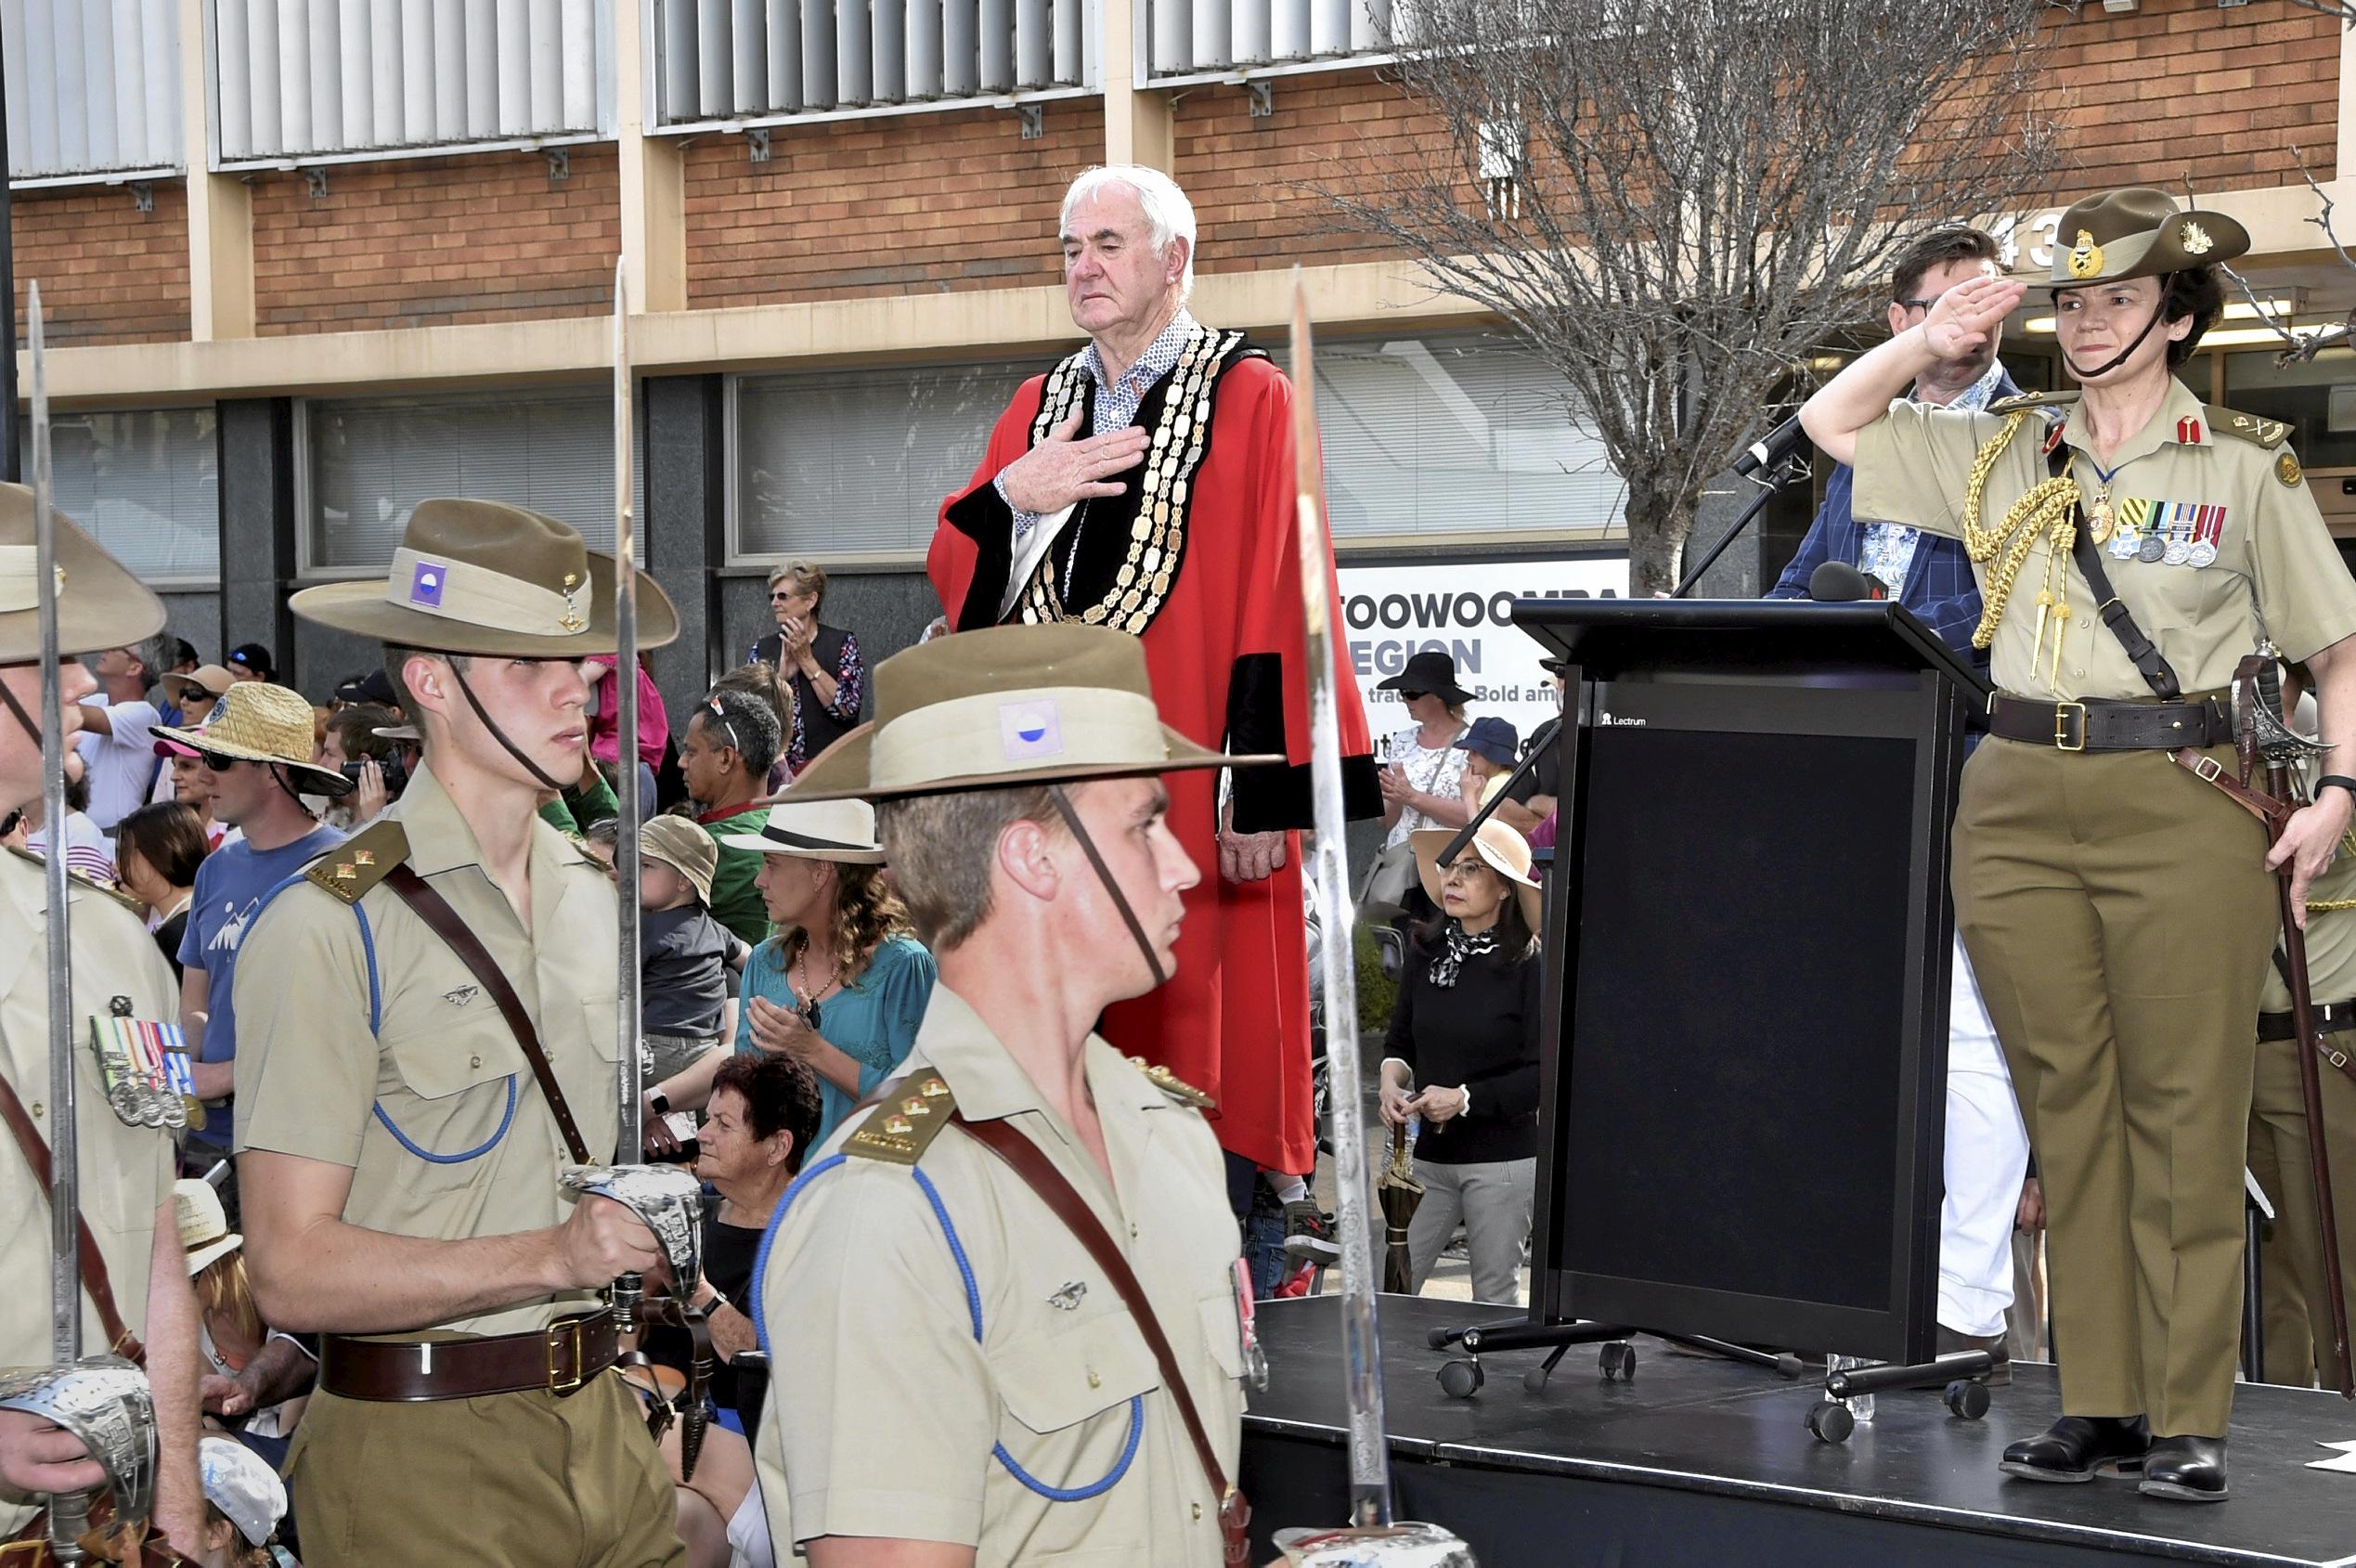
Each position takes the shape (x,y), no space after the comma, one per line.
(1674,206)
(2298,347)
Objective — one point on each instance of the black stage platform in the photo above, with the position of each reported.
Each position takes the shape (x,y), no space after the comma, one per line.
(1701,1461)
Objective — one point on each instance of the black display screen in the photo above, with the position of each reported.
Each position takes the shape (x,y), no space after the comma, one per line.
(1732,1062)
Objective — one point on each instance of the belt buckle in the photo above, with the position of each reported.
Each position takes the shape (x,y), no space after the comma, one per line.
(2062,726)
(2207,769)
(553,1336)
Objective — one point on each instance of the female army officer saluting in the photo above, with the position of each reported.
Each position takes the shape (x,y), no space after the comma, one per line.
(2118,909)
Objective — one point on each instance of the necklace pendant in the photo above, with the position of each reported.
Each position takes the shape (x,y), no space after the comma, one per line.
(809,1016)
(2105,517)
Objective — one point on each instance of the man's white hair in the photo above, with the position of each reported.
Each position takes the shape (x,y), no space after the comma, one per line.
(1169,215)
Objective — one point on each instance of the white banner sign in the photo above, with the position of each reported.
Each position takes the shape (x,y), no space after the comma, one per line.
(1393,613)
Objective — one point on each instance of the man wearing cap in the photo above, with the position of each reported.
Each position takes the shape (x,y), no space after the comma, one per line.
(2118,908)
(971,1384)
(257,746)
(251,660)
(138,1289)
(426,1040)
(1146,483)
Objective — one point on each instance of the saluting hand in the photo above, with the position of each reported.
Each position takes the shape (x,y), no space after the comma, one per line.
(1963,317)
(601,1240)
(1064,468)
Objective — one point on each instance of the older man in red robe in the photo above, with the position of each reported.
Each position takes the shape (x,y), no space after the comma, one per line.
(1147,482)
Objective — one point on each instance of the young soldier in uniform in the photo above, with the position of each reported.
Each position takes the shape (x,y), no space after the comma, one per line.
(969,1384)
(426,1040)
(125,1172)
(2116,908)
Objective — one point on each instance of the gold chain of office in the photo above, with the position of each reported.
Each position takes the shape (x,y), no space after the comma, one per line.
(2048,510)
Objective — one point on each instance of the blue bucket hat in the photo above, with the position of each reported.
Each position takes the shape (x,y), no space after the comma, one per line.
(1492,738)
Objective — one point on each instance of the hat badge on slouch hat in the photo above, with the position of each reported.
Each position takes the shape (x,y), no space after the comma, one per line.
(2139,232)
(476,577)
(1011,705)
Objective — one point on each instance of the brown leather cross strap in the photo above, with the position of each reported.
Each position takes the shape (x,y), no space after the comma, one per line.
(435,911)
(1030,1162)
(120,1339)
(2257,802)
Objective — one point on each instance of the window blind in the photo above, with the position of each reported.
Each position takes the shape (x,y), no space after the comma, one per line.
(860,460)
(372,460)
(145,482)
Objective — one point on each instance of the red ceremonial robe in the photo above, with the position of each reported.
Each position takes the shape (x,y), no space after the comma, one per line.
(1205,570)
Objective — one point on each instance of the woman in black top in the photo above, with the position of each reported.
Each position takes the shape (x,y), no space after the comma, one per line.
(157,849)
(820,663)
(1466,1026)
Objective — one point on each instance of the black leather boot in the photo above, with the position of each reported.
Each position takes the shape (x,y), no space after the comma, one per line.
(2081,1447)
(2189,1470)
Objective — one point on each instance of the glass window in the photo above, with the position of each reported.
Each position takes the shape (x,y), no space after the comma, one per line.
(2316,399)
(146,483)
(858,461)
(371,459)
(1461,433)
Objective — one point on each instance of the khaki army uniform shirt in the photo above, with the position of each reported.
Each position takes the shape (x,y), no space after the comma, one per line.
(440,1072)
(2276,572)
(125,1172)
(888,1405)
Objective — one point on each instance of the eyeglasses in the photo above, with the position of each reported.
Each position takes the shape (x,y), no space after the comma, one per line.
(1912,306)
(216,761)
(712,707)
(781,598)
(1407,697)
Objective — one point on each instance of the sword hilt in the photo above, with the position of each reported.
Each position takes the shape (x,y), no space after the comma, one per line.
(629,1291)
(69,1522)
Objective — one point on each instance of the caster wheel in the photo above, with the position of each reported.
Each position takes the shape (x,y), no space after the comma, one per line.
(1461,1379)
(1535,1380)
(1789,1366)
(1618,1362)
(1830,1422)
(1967,1398)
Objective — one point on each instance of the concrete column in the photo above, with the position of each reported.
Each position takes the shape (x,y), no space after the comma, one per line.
(220,206)
(257,456)
(686,529)
(1137,121)
(653,178)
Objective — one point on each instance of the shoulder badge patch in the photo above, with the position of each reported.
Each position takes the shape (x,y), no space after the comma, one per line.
(912,1113)
(2020,401)
(1172,1084)
(2287,467)
(360,861)
(2267,433)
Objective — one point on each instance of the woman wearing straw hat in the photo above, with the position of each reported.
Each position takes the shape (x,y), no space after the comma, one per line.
(1465,1024)
(426,1040)
(965,1373)
(843,984)
(2117,909)
(125,1172)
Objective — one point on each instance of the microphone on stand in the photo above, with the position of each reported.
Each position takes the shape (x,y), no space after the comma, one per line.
(1771,448)
(1837,582)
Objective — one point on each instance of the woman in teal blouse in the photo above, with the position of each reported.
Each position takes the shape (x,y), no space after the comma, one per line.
(842,985)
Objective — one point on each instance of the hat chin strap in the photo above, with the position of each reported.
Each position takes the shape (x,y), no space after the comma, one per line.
(2119,359)
(501,735)
(22,717)
(1104,875)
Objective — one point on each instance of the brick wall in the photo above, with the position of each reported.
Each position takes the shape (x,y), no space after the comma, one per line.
(890,204)
(2183,89)
(108,272)
(1246,177)
(435,241)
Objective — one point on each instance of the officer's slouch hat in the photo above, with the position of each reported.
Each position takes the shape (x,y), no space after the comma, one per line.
(100,605)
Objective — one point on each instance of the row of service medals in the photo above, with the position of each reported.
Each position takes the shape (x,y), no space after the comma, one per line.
(145,1066)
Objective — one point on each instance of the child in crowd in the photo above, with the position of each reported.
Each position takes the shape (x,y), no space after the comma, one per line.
(1491,748)
(244,1499)
(687,958)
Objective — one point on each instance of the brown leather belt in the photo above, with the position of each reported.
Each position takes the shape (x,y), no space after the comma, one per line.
(2105,725)
(557,1360)
(2331,1018)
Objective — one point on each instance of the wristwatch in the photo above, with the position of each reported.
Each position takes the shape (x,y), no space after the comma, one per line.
(658,1102)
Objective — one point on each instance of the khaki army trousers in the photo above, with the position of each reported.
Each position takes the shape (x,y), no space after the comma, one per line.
(2298,1331)
(522,1480)
(2118,913)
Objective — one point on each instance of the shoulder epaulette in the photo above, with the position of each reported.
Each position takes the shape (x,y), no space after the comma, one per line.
(87,882)
(2023,401)
(360,861)
(912,1115)
(1172,1084)
(2264,433)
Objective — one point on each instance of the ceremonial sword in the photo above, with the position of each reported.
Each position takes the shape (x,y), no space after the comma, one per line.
(1372,1530)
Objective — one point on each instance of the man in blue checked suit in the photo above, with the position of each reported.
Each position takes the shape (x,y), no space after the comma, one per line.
(1986,1144)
